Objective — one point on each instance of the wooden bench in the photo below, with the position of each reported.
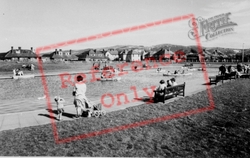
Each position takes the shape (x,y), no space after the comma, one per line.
(218,78)
(169,92)
(245,76)
(232,75)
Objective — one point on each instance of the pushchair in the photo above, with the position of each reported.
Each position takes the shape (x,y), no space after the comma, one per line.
(93,110)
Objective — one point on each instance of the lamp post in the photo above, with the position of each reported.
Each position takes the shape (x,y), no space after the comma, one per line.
(243,54)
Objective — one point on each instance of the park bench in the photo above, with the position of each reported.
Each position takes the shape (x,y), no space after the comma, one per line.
(232,75)
(218,78)
(245,76)
(169,92)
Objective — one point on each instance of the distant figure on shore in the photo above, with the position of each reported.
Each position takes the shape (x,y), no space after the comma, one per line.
(175,72)
(17,72)
(229,69)
(168,73)
(239,67)
(32,67)
(158,70)
(246,68)
(222,69)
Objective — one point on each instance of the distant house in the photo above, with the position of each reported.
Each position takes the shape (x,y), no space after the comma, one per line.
(133,55)
(2,56)
(163,54)
(59,55)
(96,55)
(180,55)
(83,55)
(192,57)
(20,55)
(112,54)
(159,54)
(150,55)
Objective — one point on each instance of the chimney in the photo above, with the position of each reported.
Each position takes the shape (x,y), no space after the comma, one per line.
(11,47)
(19,48)
(31,48)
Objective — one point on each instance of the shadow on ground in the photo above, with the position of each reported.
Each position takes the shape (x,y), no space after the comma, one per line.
(145,99)
(208,83)
(69,115)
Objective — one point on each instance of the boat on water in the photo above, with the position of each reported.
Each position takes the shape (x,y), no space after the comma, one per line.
(23,76)
(109,79)
(160,70)
(185,74)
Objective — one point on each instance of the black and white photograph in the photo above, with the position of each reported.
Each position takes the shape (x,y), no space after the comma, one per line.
(125,78)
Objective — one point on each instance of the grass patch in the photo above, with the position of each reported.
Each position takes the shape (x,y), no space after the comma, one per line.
(224,131)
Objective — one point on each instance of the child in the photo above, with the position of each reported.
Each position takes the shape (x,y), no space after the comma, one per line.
(59,101)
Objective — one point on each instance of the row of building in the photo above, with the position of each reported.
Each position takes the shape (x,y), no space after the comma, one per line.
(128,55)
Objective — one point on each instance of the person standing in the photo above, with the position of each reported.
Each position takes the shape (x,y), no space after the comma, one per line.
(222,69)
(239,67)
(80,100)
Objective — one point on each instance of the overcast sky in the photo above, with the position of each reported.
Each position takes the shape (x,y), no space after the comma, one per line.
(36,23)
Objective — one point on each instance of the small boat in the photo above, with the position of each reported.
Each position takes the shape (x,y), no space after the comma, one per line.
(23,76)
(186,74)
(160,71)
(109,79)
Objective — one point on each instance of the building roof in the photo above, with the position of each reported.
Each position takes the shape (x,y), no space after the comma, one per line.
(2,55)
(113,52)
(64,55)
(23,53)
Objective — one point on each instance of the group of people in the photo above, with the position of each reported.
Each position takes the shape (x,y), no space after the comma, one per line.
(160,89)
(240,69)
(168,83)
(17,72)
(81,102)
